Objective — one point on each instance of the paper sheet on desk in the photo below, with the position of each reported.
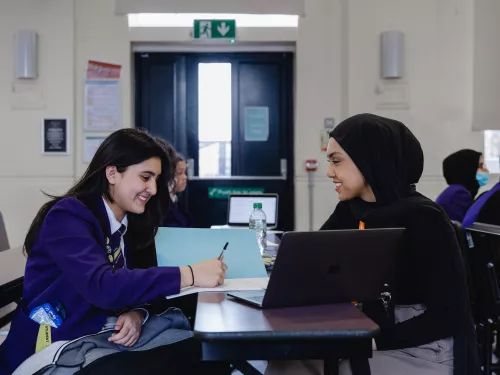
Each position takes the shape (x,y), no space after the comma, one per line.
(231,285)
(182,246)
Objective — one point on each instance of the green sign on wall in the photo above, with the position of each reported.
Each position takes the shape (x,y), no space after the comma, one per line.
(214,29)
(224,193)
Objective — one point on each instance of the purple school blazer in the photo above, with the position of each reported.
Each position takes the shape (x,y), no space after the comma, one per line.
(475,209)
(455,200)
(68,263)
(177,217)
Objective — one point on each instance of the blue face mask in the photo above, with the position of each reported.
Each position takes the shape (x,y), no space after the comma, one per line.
(482,178)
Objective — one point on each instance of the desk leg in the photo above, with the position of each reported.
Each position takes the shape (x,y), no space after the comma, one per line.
(360,366)
(331,366)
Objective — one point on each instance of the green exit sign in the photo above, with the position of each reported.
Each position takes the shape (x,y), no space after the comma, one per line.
(214,29)
(224,193)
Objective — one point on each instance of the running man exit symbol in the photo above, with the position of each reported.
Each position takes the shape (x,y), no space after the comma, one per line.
(214,29)
(205,30)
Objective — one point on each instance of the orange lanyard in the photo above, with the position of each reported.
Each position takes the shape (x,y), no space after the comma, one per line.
(361,227)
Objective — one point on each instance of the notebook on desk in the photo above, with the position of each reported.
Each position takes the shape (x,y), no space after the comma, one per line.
(325,267)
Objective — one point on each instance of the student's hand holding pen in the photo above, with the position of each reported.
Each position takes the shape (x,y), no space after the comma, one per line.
(207,274)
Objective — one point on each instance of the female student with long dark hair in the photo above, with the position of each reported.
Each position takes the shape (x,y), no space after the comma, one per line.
(80,244)
(375,163)
(177,215)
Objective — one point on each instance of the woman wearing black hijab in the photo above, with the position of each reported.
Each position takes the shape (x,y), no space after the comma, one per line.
(464,172)
(375,163)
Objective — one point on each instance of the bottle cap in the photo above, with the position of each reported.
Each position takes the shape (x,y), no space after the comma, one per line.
(257,206)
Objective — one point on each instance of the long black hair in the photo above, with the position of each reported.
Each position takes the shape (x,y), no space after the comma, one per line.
(175,158)
(123,148)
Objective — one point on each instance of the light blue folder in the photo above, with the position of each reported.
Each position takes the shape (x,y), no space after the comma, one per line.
(183,246)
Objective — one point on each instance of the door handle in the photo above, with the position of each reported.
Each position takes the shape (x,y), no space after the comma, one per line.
(284,168)
(190,168)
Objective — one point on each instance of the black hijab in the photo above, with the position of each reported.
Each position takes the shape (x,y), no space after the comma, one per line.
(391,160)
(460,169)
(385,151)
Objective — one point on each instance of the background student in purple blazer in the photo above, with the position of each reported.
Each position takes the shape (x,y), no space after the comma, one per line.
(80,248)
(465,173)
(177,214)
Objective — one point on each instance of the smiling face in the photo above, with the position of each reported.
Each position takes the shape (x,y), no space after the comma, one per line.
(348,180)
(132,189)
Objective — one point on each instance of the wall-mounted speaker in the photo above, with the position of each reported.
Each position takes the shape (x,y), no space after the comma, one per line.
(392,54)
(26,54)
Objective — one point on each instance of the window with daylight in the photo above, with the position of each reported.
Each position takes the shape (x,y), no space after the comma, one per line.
(492,150)
(214,119)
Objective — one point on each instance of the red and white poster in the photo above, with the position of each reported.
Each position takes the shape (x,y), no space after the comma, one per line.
(99,70)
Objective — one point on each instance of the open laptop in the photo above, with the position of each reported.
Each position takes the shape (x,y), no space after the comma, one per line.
(240,206)
(315,268)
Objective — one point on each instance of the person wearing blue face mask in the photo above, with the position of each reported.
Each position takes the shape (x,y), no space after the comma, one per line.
(486,209)
(482,178)
(465,173)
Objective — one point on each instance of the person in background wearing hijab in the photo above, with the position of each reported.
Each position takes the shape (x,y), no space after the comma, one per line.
(486,208)
(464,172)
(375,163)
(178,216)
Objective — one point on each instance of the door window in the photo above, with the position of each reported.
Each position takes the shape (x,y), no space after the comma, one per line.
(214,119)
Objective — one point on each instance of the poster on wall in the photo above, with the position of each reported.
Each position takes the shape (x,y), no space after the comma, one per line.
(256,124)
(90,145)
(100,70)
(55,138)
(102,107)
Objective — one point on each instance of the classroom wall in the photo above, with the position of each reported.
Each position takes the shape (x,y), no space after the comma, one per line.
(438,73)
(337,75)
(24,172)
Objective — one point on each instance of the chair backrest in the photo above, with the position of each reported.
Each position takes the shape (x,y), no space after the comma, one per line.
(492,277)
(484,258)
(465,248)
(4,241)
(12,265)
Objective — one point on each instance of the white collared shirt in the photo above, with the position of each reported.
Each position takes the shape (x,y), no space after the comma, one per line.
(115,225)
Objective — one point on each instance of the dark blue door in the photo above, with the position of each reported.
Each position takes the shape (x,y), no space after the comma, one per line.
(232,116)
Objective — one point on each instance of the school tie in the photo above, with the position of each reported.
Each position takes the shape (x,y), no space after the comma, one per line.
(113,248)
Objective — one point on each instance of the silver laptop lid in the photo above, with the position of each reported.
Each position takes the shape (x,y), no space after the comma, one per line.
(240,206)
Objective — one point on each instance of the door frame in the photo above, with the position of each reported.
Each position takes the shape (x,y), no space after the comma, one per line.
(228,49)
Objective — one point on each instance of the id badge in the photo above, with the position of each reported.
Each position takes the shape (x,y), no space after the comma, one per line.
(44,337)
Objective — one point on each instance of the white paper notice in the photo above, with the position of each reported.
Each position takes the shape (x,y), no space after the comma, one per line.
(102,106)
(27,95)
(90,146)
(231,285)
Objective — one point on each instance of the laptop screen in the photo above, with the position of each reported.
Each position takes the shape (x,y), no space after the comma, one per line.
(240,208)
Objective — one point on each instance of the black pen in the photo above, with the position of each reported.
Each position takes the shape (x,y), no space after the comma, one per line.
(224,249)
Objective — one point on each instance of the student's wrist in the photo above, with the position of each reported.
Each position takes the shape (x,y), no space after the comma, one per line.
(186,277)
